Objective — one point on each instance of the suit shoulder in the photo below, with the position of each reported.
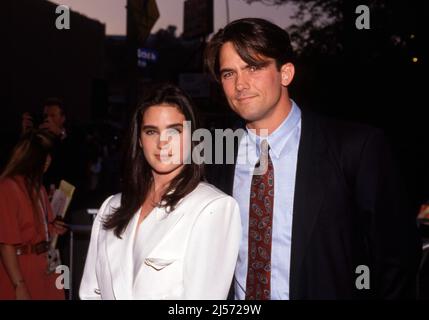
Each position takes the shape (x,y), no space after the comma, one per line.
(347,142)
(208,191)
(344,133)
(112,202)
(115,200)
(348,129)
(206,199)
(205,194)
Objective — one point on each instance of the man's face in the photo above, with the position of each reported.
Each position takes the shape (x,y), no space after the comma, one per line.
(54,115)
(255,93)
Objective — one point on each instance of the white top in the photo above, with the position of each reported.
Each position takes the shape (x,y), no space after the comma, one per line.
(189,253)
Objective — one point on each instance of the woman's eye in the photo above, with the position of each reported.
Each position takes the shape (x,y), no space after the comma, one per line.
(149,132)
(173,132)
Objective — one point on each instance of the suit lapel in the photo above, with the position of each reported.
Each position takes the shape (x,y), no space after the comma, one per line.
(120,257)
(309,195)
(161,225)
(120,252)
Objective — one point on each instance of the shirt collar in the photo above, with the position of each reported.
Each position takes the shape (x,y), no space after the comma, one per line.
(278,138)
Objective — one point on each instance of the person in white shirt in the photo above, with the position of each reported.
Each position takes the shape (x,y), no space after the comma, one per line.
(168,235)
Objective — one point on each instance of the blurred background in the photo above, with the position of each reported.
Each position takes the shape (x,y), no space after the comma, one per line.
(114,49)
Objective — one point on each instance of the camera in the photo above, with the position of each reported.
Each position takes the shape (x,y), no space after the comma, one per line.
(38,119)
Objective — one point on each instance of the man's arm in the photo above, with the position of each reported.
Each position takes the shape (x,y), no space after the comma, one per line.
(392,232)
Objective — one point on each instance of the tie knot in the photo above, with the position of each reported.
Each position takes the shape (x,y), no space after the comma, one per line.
(264,147)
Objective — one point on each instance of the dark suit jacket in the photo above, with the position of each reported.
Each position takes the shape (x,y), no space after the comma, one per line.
(348,211)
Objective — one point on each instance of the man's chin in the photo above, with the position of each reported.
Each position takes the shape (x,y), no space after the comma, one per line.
(250,117)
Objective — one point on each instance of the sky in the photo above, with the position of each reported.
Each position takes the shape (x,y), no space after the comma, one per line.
(112,13)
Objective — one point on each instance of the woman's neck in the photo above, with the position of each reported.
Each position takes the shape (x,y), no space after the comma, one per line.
(162,181)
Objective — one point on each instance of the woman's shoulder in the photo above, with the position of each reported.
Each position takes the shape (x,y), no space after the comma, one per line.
(206,199)
(112,202)
(207,189)
(8,183)
(207,193)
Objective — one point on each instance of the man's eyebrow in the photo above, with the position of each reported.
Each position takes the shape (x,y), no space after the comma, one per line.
(259,64)
(225,70)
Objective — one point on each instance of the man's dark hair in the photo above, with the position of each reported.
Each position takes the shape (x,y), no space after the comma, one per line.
(254,39)
(53,101)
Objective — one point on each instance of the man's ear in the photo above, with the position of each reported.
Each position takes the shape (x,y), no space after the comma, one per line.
(287,72)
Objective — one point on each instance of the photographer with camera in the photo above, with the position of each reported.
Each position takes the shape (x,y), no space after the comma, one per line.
(68,157)
(52,119)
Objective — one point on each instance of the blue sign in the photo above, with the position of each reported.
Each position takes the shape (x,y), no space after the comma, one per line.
(147,54)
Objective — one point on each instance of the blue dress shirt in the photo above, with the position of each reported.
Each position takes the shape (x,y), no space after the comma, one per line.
(284,143)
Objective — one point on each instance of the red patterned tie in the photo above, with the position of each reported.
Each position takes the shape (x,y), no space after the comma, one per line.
(258,283)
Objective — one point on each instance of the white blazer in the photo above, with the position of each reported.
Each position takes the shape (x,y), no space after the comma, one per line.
(190,253)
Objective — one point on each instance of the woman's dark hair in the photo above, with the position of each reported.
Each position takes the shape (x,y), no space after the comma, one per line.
(28,160)
(137,174)
(252,38)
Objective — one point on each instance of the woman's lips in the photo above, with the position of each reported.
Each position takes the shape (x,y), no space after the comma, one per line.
(164,156)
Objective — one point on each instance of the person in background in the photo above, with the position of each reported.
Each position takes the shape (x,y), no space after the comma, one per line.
(27,222)
(68,151)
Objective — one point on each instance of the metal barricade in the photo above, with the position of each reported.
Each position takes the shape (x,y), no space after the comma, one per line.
(77,229)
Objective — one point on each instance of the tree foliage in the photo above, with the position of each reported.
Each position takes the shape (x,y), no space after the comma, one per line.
(327,27)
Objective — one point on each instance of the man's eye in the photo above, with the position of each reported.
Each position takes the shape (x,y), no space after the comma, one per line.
(253,68)
(227,75)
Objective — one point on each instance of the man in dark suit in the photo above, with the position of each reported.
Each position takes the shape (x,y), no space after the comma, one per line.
(320,203)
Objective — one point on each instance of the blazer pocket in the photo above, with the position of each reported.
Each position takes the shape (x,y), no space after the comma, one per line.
(158,263)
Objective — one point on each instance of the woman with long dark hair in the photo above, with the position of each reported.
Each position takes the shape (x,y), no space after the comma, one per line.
(27,222)
(169,235)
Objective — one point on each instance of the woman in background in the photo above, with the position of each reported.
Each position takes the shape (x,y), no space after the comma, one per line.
(168,235)
(27,222)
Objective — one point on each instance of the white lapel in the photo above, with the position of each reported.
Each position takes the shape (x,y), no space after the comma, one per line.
(120,251)
(161,227)
(120,257)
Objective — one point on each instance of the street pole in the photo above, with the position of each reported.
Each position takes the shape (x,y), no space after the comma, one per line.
(227,11)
